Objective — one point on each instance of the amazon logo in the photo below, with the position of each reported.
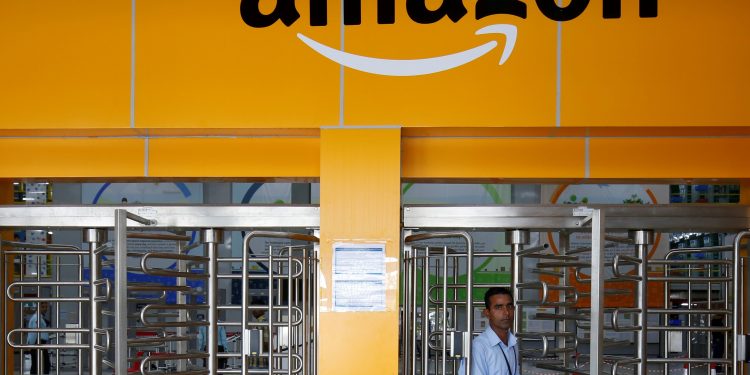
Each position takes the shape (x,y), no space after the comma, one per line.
(285,11)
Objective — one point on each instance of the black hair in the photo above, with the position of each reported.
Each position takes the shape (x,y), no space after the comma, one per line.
(496,290)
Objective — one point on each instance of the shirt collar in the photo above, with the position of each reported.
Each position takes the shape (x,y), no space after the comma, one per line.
(494,340)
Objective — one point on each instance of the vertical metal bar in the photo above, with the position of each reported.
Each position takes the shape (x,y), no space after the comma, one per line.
(405,266)
(415,286)
(709,334)
(314,302)
(406,329)
(270,314)
(456,273)
(94,237)
(425,310)
(212,238)
(39,355)
(4,310)
(80,315)
(736,308)
(561,326)
(517,278)
(469,296)
(306,352)
(597,291)
(436,265)
(641,239)
(454,308)
(445,307)
(121,292)
(288,314)
(690,319)
(665,335)
(245,333)
(741,280)
(516,238)
(180,347)
(725,296)
(57,313)
(403,311)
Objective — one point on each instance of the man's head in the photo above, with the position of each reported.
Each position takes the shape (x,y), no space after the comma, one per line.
(499,308)
(258,301)
(43,307)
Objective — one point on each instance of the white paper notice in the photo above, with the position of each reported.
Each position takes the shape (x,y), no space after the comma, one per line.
(358,277)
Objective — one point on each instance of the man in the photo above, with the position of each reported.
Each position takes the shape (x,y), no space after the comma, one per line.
(38,321)
(494,351)
(221,341)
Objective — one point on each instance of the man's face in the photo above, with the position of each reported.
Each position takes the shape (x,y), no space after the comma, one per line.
(500,313)
(43,307)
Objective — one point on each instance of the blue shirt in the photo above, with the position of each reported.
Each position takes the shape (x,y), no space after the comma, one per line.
(487,355)
(35,322)
(203,338)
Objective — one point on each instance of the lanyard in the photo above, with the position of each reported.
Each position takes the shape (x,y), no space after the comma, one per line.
(507,363)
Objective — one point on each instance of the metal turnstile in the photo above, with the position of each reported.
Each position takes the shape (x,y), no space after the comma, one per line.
(431,309)
(35,289)
(284,342)
(564,318)
(147,302)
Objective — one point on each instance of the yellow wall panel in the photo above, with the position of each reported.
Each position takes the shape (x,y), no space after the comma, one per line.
(682,158)
(667,131)
(234,157)
(686,67)
(358,343)
(569,131)
(65,64)
(493,158)
(200,66)
(359,201)
(71,157)
(521,92)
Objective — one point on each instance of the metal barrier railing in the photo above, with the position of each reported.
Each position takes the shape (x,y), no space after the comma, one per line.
(284,343)
(26,291)
(133,319)
(630,337)
(449,339)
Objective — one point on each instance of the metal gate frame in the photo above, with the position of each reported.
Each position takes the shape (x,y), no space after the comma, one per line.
(658,218)
(94,220)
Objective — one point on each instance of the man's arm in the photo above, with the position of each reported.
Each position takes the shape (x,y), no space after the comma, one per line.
(31,337)
(201,337)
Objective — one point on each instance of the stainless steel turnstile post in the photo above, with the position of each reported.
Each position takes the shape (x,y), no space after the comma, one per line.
(211,238)
(95,238)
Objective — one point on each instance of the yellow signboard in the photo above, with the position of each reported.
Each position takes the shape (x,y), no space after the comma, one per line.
(415,63)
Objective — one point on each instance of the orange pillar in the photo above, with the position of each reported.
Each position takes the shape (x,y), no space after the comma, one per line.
(359,203)
(6,197)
